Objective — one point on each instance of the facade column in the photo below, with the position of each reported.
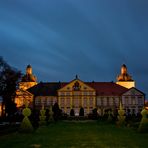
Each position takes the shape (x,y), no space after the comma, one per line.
(88,105)
(65,105)
(82,101)
(59,102)
(94,102)
(71,105)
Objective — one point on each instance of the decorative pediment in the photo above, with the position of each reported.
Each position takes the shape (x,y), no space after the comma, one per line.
(76,85)
(133,91)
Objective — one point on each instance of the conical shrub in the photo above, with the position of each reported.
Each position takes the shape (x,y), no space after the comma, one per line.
(26,125)
(143,127)
(121,116)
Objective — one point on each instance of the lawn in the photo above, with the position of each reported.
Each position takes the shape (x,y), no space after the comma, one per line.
(92,134)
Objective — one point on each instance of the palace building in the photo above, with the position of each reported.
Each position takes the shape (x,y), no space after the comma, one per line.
(78,94)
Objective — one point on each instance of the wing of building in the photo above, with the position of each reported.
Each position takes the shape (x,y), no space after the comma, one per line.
(78,94)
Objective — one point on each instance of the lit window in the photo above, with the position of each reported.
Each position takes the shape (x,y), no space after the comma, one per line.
(126,100)
(76,93)
(62,102)
(133,100)
(85,93)
(37,101)
(85,102)
(68,94)
(140,100)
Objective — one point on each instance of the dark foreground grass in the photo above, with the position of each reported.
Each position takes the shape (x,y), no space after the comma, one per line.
(76,135)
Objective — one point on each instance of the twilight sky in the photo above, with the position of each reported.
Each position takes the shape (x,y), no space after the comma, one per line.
(62,38)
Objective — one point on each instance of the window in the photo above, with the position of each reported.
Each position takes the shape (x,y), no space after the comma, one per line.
(133,100)
(49,101)
(68,94)
(91,102)
(85,93)
(105,101)
(37,101)
(108,101)
(76,93)
(98,101)
(62,102)
(68,102)
(62,93)
(111,100)
(140,100)
(76,102)
(85,102)
(126,101)
(43,101)
(90,93)
(101,101)
(54,100)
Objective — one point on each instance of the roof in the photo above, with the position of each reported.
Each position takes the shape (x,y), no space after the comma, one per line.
(45,89)
(107,88)
(102,88)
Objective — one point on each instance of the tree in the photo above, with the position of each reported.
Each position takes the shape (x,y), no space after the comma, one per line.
(9,78)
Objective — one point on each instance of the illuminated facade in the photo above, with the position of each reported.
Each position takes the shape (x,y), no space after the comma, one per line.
(22,95)
(77,94)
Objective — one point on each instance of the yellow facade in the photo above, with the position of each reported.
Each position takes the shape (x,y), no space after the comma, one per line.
(22,96)
(83,96)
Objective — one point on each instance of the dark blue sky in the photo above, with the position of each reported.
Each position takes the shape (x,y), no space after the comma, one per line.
(62,38)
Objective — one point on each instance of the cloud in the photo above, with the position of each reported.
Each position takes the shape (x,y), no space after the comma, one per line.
(63,38)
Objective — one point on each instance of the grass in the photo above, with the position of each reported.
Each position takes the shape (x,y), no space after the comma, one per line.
(76,135)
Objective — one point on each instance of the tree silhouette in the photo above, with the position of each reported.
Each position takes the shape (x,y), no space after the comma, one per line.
(9,78)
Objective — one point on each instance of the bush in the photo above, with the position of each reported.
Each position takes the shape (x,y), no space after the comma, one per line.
(50,115)
(72,112)
(143,127)
(81,113)
(26,125)
(42,117)
(121,116)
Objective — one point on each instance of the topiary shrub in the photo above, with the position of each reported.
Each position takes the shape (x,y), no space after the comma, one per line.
(26,125)
(72,112)
(81,112)
(42,117)
(143,127)
(50,115)
(121,116)
(110,117)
